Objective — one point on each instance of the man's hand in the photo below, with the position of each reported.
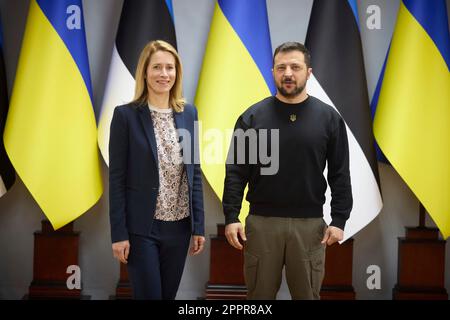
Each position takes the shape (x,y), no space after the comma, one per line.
(231,232)
(121,250)
(197,245)
(332,235)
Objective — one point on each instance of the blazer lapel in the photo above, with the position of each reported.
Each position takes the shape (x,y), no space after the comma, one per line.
(180,123)
(179,120)
(147,124)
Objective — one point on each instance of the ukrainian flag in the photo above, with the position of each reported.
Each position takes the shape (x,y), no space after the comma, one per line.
(50,133)
(236,73)
(412,121)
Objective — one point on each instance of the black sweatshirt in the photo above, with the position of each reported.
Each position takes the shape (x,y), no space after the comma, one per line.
(311,133)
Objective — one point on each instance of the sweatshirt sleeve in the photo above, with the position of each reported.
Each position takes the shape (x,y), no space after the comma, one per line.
(237,175)
(339,175)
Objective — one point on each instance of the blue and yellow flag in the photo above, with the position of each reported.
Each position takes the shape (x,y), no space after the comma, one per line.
(236,73)
(50,134)
(412,121)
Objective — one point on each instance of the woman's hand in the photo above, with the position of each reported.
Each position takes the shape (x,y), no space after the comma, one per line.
(198,243)
(121,250)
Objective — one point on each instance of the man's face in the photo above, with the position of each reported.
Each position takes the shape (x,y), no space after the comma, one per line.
(290,73)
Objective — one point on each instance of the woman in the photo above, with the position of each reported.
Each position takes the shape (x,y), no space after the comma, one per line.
(155,188)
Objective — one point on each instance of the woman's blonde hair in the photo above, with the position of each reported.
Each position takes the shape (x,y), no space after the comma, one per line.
(141,94)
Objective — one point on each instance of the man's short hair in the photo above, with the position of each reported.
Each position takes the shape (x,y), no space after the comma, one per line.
(293,46)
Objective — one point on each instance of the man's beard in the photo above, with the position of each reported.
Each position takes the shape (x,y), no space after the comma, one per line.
(297,90)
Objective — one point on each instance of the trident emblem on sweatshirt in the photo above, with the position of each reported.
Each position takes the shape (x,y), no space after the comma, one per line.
(293,117)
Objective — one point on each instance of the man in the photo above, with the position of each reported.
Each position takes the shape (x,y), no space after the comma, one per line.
(285,226)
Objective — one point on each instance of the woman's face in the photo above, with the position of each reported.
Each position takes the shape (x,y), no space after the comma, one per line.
(161,73)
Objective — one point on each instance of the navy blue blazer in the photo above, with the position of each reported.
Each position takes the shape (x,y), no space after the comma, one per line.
(133,170)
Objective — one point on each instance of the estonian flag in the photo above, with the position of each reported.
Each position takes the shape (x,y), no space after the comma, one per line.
(140,22)
(7,175)
(339,80)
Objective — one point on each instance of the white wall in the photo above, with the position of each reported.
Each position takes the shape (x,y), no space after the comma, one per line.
(20,216)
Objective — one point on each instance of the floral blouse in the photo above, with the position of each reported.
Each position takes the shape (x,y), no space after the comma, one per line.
(172,203)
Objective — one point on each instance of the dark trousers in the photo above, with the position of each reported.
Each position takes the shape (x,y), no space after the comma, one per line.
(156,263)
